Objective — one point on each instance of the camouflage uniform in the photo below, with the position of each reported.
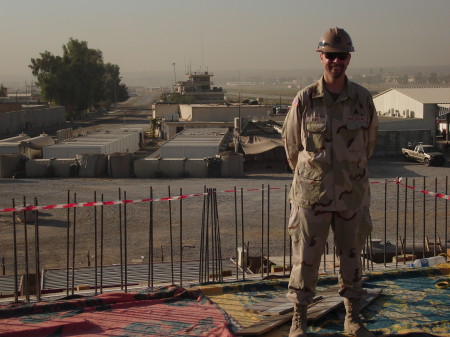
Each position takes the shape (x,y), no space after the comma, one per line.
(328,143)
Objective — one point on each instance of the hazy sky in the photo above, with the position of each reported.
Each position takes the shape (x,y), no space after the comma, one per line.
(141,35)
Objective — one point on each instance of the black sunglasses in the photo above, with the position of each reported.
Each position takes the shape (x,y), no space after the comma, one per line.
(333,56)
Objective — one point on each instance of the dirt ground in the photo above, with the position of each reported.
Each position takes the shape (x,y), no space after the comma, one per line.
(170,221)
(178,225)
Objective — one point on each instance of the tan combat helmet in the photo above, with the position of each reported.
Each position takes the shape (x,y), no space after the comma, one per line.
(335,40)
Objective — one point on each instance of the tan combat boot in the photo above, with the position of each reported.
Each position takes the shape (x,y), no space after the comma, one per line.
(353,324)
(298,328)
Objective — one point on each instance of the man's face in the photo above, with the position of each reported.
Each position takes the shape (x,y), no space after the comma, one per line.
(335,64)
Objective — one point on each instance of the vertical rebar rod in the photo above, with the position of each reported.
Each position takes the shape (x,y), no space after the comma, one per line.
(73,243)
(244,249)
(385,222)
(171,238)
(213,237)
(414,220)
(125,241)
(95,247)
(236,232)
(16,274)
(405,220)
(262,231)
(268,229)
(216,237)
(37,253)
(27,271)
(424,217)
(150,277)
(284,230)
(435,217)
(208,208)
(446,215)
(397,225)
(68,244)
(334,258)
(202,268)
(120,240)
(181,238)
(102,225)
(218,240)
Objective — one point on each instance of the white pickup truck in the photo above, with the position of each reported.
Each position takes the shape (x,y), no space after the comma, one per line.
(426,154)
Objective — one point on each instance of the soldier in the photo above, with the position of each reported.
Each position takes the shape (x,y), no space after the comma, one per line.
(330,133)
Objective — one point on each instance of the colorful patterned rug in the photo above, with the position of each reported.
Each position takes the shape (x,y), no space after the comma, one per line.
(410,303)
(170,311)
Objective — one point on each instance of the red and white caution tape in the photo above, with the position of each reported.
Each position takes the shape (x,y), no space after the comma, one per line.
(433,194)
(120,202)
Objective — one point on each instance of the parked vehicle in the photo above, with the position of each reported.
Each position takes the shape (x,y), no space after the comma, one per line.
(427,154)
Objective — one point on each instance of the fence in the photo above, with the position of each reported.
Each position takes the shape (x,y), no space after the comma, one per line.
(202,237)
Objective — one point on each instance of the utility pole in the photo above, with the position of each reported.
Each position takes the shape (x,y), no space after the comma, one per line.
(174,74)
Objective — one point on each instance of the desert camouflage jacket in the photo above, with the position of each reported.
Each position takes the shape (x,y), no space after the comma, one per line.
(328,143)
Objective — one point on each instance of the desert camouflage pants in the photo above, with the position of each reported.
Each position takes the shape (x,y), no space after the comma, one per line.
(309,232)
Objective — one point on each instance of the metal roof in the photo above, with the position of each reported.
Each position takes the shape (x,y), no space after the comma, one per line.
(194,143)
(425,95)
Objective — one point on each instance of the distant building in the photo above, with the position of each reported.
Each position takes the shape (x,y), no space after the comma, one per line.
(412,108)
(16,117)
(197,89)
(409,115)
(197,143)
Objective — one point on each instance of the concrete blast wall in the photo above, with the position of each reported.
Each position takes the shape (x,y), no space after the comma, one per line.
(226,166)
(170,168)
(120,165)
(390,143)
(10,164)
(31,119)
(92,166)
(38,168)
(232,165)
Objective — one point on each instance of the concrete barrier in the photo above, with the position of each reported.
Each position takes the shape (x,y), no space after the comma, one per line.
(10,164)
(92,165)
(61,167)
(232,165)
(146,168)
(119,165)
(172,167)
(195,168)
(38,168)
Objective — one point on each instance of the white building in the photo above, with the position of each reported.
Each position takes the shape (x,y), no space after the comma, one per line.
(411,108)
(196,143)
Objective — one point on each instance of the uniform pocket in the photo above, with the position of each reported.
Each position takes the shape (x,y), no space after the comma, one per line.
(310,183)
(316,126)
(316,135)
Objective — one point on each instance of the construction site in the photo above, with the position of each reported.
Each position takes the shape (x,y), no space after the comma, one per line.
(182,240)
(198,245)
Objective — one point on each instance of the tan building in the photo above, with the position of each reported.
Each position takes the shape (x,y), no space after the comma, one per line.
(197,89)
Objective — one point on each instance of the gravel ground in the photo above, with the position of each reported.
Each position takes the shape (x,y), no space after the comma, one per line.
(168,217)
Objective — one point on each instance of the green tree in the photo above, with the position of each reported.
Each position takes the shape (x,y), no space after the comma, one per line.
(419,78)
(3,91)
(433,78)
(77,79)
(113,90)
(403,79)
